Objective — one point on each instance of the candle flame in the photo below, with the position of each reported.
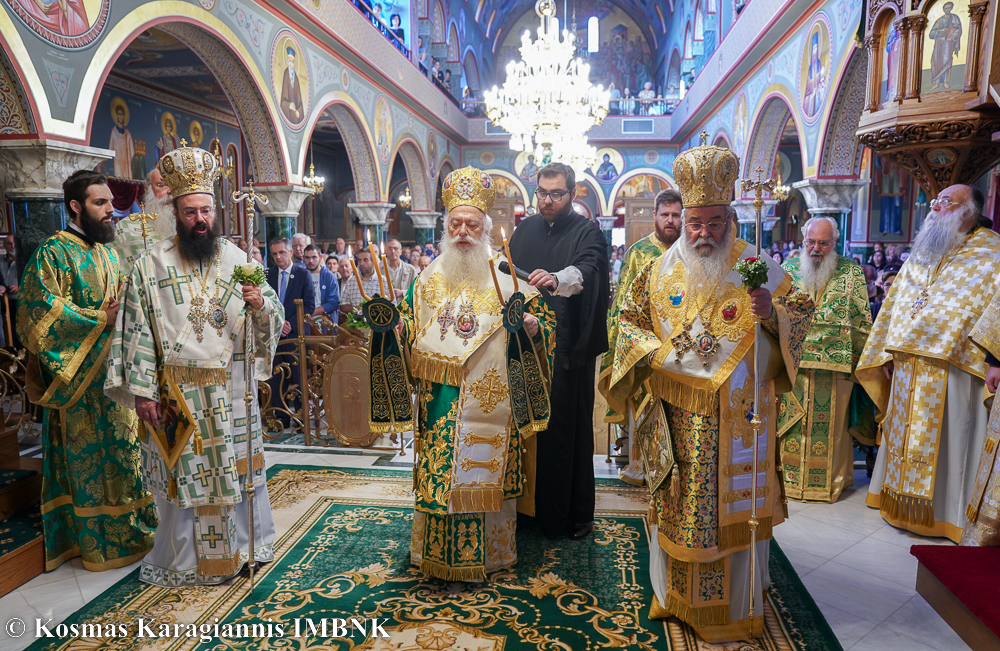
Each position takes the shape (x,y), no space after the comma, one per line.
(382,248)
(502,234)
(349,253)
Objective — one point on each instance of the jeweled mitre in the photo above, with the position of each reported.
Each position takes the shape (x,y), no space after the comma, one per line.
(469,187)
(706,176)
(189,170)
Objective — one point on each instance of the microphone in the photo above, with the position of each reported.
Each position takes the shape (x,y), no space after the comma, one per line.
(504,266)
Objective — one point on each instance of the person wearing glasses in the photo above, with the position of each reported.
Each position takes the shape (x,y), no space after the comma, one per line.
(687,334)
(567,257)
(816,452)
(667,225)
(925,374)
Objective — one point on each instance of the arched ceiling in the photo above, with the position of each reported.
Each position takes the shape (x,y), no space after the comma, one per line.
(508,12)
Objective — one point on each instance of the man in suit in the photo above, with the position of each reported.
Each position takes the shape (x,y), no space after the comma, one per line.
(291,281)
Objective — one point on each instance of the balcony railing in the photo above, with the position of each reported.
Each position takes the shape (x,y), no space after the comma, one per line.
(476,108)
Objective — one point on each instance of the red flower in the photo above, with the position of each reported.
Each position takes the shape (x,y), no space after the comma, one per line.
(751,259)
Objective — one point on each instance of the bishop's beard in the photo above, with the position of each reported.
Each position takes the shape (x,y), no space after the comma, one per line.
(164,225)
(704,269)
(198,246)
(815,275)
(940,235)
(460,265)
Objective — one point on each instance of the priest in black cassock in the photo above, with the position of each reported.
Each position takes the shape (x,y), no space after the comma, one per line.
(567,255)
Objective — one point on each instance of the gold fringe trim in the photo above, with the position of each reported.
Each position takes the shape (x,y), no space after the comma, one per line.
(199,377)
(198,446)
(241,464)
(219,566)
(385,428)
(436,370)
(990,445)
(704,616)
(476,500)
(208,511)
(910,510)
(447,573)
(172,489)
(700,401)
(972,512)
(738,535)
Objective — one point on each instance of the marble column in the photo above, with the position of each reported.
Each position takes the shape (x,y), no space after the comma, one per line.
(32,173)
(746,215)
(832,198)
(607,225)
(282,209)
(424,225)
(372,216)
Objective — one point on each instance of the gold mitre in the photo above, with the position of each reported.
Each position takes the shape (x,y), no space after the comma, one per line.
(189,170)
(469,187)
(706,175)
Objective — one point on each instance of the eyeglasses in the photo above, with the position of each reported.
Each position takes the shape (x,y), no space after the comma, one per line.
(943,202)
(820,243)
(555,195)
(714,227)
(190,213)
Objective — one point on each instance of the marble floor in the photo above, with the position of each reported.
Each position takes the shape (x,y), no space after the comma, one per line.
(857,568)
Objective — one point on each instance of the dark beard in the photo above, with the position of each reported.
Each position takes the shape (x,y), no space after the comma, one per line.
(197,247)
(97,229)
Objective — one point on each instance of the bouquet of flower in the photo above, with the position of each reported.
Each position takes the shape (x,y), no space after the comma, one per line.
(356,320)
(250,272)
(753,271)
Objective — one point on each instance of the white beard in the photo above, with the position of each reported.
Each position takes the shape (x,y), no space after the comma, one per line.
(165,224)
(460,266)
(815,275)
(940,235)
(705,271)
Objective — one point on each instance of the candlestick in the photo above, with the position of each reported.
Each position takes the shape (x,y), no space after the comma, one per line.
(357,276)
(388,280)
(496,283)
(381,284)
(507,251)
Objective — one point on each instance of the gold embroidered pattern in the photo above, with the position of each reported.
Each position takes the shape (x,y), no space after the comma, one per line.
(435,290)
(739,411)
(741,495)
(492,465)
(471,439)
(489,390)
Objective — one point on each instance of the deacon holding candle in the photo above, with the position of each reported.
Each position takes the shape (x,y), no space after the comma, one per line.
(470,470)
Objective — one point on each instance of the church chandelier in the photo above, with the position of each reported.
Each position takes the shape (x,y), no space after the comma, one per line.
(313,181)
(547,101)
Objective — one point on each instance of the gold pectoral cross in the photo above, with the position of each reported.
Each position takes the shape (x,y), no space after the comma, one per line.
(142,216)
(919,304)
(213,314)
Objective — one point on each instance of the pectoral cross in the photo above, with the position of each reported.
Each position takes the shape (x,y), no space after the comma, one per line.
(142,216)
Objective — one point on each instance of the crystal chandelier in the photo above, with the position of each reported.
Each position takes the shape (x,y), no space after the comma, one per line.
(780,191)
(547,99)
(313,181)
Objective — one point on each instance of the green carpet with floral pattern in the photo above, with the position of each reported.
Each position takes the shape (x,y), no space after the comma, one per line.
(343,552)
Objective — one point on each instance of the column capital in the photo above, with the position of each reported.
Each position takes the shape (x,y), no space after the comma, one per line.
(746,213)
(372,213)
(282,200)
(36,169)
(421,218)
(825,196)
(607,223)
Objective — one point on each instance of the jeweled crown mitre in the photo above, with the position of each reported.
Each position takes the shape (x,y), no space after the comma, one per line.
(469,187)
(189,170)
(706,175)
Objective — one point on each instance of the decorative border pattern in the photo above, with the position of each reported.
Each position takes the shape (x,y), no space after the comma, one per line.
(15,116)
(60,40)
(841,155)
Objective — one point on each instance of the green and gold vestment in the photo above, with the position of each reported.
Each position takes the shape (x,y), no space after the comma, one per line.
(637,257)
(701,513)
(472,460)
(93,502)
(816,455)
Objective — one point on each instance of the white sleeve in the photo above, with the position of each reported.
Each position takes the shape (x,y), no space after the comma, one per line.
(570,282)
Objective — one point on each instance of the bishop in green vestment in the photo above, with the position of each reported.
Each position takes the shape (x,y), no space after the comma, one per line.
(93,503)
(667,224)
(817,459)
(475,456)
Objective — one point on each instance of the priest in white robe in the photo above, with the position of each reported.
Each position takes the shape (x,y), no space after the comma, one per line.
(178,356)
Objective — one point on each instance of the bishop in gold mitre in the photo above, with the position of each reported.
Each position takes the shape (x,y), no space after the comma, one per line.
(473,463)
(925,374)
(176,355)
(686,333)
